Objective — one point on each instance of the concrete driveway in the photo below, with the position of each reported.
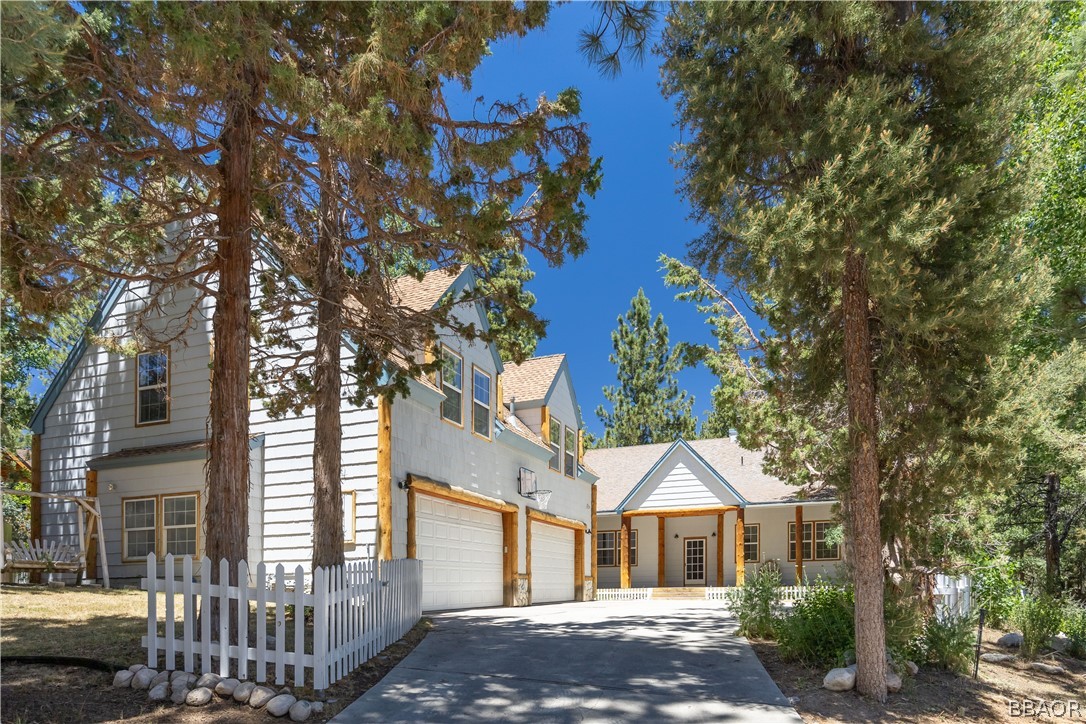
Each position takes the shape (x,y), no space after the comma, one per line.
(602,661)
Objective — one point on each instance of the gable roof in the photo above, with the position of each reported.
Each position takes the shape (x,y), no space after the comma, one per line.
(622,469)
(532,379)
(422,295)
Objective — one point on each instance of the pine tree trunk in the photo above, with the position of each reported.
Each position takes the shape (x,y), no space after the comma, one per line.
(228,457)
(1051,533)
(327,483)
(864,483)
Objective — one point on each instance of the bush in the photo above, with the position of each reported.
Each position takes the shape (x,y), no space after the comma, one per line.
(950,643)
(819,629)
(903,613)
(757,602)
(1039,620)
(1074,625)
(996,588)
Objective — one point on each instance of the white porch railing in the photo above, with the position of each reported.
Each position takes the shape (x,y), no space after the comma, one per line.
(358,610)
(788,593)
(623,594)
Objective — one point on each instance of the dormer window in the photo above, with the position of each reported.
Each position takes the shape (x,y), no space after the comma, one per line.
(556,444)
(452,384)
(480,403)
(153,387)
(571,452)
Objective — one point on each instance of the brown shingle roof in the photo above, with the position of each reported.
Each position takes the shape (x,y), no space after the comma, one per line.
(531,379)
(621,468)
(422,295)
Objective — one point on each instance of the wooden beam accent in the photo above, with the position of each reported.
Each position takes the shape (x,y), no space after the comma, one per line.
(680,512)
(35,503)
(92,534)
(412,542)
(720,549)
(553,519)
(511,557)
(457,495)
(501,398)
(384,479)
(661,538)
(799,545)
(578,564)
(624,538)
(740,557)
(592,543)
(545,425)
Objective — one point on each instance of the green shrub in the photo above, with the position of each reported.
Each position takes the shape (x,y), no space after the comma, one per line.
(819,629)
(1074,625)
(903,612)
(950,643)
(997,589)
(757,602)
(1039,620)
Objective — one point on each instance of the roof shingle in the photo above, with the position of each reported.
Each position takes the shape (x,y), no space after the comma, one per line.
(530,381)
(421,295)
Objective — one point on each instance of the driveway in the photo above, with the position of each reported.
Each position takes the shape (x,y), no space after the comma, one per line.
(602,661)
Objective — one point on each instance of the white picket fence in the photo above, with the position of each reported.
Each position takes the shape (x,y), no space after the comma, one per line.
(358,610)
(623,594)
(953,596)
(788,593)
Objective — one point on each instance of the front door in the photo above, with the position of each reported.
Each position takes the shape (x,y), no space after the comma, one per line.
(695,561)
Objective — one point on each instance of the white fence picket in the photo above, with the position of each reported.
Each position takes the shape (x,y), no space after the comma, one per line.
(171,652)
(243,620)
(152,612)
(187,628)
(280,625)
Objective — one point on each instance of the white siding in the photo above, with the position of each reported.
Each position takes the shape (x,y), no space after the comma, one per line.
(682,481)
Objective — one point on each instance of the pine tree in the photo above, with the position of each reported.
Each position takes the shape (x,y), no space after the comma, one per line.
(850,161)
(514,326)
(646,405)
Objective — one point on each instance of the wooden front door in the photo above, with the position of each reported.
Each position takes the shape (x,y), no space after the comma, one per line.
(694,561)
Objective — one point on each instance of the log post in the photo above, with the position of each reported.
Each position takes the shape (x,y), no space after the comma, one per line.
(625,552)
(661,541)
(720,549)
(799,545)
(92,530)
(740,548)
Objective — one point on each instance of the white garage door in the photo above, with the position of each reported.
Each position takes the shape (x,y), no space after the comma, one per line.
(462,551)
(552,563)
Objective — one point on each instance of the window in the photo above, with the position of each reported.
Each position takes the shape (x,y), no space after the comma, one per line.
(606,550)
(750,543)
(349,514)
(824,551)
(633,548)
(152,387)
(452,384)
(571,452)
(179,524)
(173,520)
(139,527)
(556,444)
(815,547)
(480,399)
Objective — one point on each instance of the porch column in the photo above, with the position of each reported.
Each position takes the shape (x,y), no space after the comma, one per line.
(91,548)
(624,537)
(720,549)
(661,579)
(799,545)
(740,551)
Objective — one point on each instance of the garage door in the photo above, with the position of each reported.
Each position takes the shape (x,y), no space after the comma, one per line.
(462,551)
(552,563)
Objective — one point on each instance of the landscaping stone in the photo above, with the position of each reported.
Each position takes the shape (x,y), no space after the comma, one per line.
(136,667)
(317,706)
(161,678)
(840,679)
(300,710)
(179,675)
(1010,641)
(55,584)
(123,679)
(191,680)
(208,681)
(159,692)
(198,696)
(1047,668)
(179,694)
(225,688)
(913,668)
(261,695)
(997,658)
(143,678)
(280,705)
(243,691)
(1059,642)
(893,682)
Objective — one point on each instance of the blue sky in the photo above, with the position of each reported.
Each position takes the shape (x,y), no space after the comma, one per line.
(636,216)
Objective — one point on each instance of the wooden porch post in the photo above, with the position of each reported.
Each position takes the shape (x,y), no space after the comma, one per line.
(384,479)
(740,552)
(92,531)
(625,552)
(35,502)
(799,545)
(720,549)
(661,578)
(592,544)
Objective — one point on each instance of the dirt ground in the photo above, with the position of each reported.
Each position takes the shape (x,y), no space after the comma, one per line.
(32,694)
(934,695)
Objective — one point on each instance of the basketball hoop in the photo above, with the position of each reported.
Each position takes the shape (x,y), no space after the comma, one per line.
(542,497)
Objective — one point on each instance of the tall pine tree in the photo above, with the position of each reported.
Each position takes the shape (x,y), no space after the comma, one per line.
(850,162)
(646,405)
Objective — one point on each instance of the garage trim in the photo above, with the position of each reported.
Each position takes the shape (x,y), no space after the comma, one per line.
(578,529)
(417,484)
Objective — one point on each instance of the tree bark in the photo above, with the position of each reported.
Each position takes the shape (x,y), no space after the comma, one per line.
(327,441)
(864,482)
(228,454)
(1051,533)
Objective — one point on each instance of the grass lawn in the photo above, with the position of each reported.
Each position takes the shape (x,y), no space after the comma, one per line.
(73,621)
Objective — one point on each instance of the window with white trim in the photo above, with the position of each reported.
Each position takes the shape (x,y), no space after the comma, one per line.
(815,547)
(452,384)
(480,403)
(152,387)
(633,548)
(606,550)
(179,524)
(139,526)
(556,444)
(571,452)
(751,534)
